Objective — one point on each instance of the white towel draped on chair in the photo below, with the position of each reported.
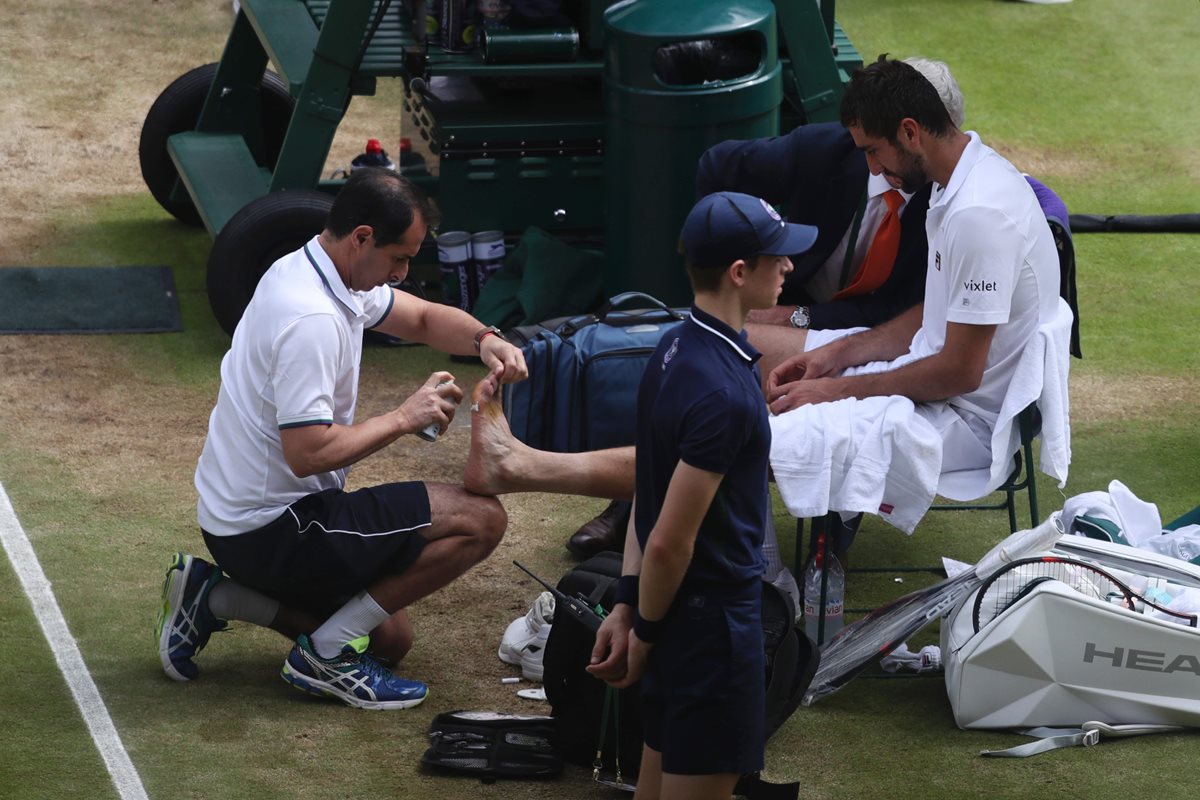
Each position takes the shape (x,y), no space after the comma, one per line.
(881,456)
(1041,376)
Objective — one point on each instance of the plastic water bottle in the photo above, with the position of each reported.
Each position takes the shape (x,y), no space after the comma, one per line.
(411,162)
(374,156)
(835,592)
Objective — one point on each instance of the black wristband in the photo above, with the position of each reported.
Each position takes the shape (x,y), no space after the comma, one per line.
(627,591)
(649,631)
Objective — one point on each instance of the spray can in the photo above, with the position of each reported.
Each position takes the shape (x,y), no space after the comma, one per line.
(430,432)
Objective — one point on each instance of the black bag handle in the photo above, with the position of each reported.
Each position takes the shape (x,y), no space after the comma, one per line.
(573,325)
(613,303)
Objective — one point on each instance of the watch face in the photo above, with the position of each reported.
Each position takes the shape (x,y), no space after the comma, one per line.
(800,317)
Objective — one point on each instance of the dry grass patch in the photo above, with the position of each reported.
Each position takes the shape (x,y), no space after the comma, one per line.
(1097,398)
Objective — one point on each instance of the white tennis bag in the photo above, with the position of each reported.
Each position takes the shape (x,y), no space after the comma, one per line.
(1062,657)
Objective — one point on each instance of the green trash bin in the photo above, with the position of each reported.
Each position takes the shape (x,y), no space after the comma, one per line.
(679,77)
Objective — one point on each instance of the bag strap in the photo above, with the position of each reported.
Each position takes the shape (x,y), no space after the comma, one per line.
(614,303)
(1087,735)
(612,704)
(602,314)
(570,327)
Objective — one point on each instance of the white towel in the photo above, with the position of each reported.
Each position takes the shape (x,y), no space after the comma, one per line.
(1041,376)
(874,455)
(1137,520)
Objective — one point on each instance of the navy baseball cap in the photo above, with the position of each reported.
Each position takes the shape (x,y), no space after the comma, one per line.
(725,226)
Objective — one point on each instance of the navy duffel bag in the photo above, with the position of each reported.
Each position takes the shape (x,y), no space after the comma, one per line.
(584,373)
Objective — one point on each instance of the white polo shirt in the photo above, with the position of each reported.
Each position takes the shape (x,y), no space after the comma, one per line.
(992,261)
(294,361)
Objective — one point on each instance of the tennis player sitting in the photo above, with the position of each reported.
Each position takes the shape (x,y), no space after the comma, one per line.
(687,619)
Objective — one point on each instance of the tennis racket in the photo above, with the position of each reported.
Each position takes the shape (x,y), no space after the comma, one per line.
(881,631)
(1016,580)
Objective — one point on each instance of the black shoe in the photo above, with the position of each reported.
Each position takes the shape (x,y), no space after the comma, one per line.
(604,532)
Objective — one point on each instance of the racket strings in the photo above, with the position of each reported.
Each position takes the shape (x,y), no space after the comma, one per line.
(1018,579)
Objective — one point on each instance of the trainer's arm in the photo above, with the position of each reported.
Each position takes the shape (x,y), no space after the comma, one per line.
(314,449)
(451,330)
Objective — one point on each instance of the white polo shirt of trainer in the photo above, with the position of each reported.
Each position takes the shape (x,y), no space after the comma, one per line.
(828,280)
(992,261)
(294,361)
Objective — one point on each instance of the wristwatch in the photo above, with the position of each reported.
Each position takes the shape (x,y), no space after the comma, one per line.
(490,330)
(800,318)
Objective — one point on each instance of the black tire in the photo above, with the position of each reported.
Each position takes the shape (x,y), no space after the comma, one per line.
(264,230)
(177,109)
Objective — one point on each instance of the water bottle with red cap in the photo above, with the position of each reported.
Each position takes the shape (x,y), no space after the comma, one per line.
(411,162)
(375,156)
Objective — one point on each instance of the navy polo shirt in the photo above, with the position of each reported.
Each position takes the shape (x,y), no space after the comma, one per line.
(700,401)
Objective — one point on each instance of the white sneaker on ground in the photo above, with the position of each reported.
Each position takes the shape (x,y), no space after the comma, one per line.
(527,630)
(531,656)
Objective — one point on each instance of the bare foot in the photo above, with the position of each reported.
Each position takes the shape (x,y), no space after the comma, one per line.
(494,460)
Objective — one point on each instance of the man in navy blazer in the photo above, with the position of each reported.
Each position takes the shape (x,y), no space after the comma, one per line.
(820,178)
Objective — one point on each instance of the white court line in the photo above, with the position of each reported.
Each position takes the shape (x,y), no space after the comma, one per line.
(67,655)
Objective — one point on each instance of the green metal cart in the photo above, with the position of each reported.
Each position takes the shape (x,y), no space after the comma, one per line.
(531,133)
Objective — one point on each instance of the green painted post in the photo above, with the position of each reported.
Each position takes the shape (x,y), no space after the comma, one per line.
(322,101)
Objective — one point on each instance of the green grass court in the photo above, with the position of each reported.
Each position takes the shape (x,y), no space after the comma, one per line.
(1097,98)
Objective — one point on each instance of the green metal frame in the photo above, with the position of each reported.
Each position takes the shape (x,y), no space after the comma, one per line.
(215,161)
(314,46)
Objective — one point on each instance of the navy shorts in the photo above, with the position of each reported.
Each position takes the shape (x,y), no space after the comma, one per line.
(703,695)
(329,546)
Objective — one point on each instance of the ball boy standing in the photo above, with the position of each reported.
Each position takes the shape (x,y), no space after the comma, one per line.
(687,618)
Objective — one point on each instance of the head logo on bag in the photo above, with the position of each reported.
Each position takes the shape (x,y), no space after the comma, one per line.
(1061,651)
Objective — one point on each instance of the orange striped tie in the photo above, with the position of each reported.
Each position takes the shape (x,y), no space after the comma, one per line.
(881,255)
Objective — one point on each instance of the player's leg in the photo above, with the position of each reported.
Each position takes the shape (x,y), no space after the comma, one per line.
(499,463)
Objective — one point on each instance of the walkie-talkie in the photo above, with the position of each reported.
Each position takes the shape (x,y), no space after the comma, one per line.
(577,607)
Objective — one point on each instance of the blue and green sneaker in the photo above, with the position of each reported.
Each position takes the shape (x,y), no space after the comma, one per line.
(184,621)
(352,676)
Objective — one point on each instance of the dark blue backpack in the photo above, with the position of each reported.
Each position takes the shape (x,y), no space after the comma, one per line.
(584,373)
